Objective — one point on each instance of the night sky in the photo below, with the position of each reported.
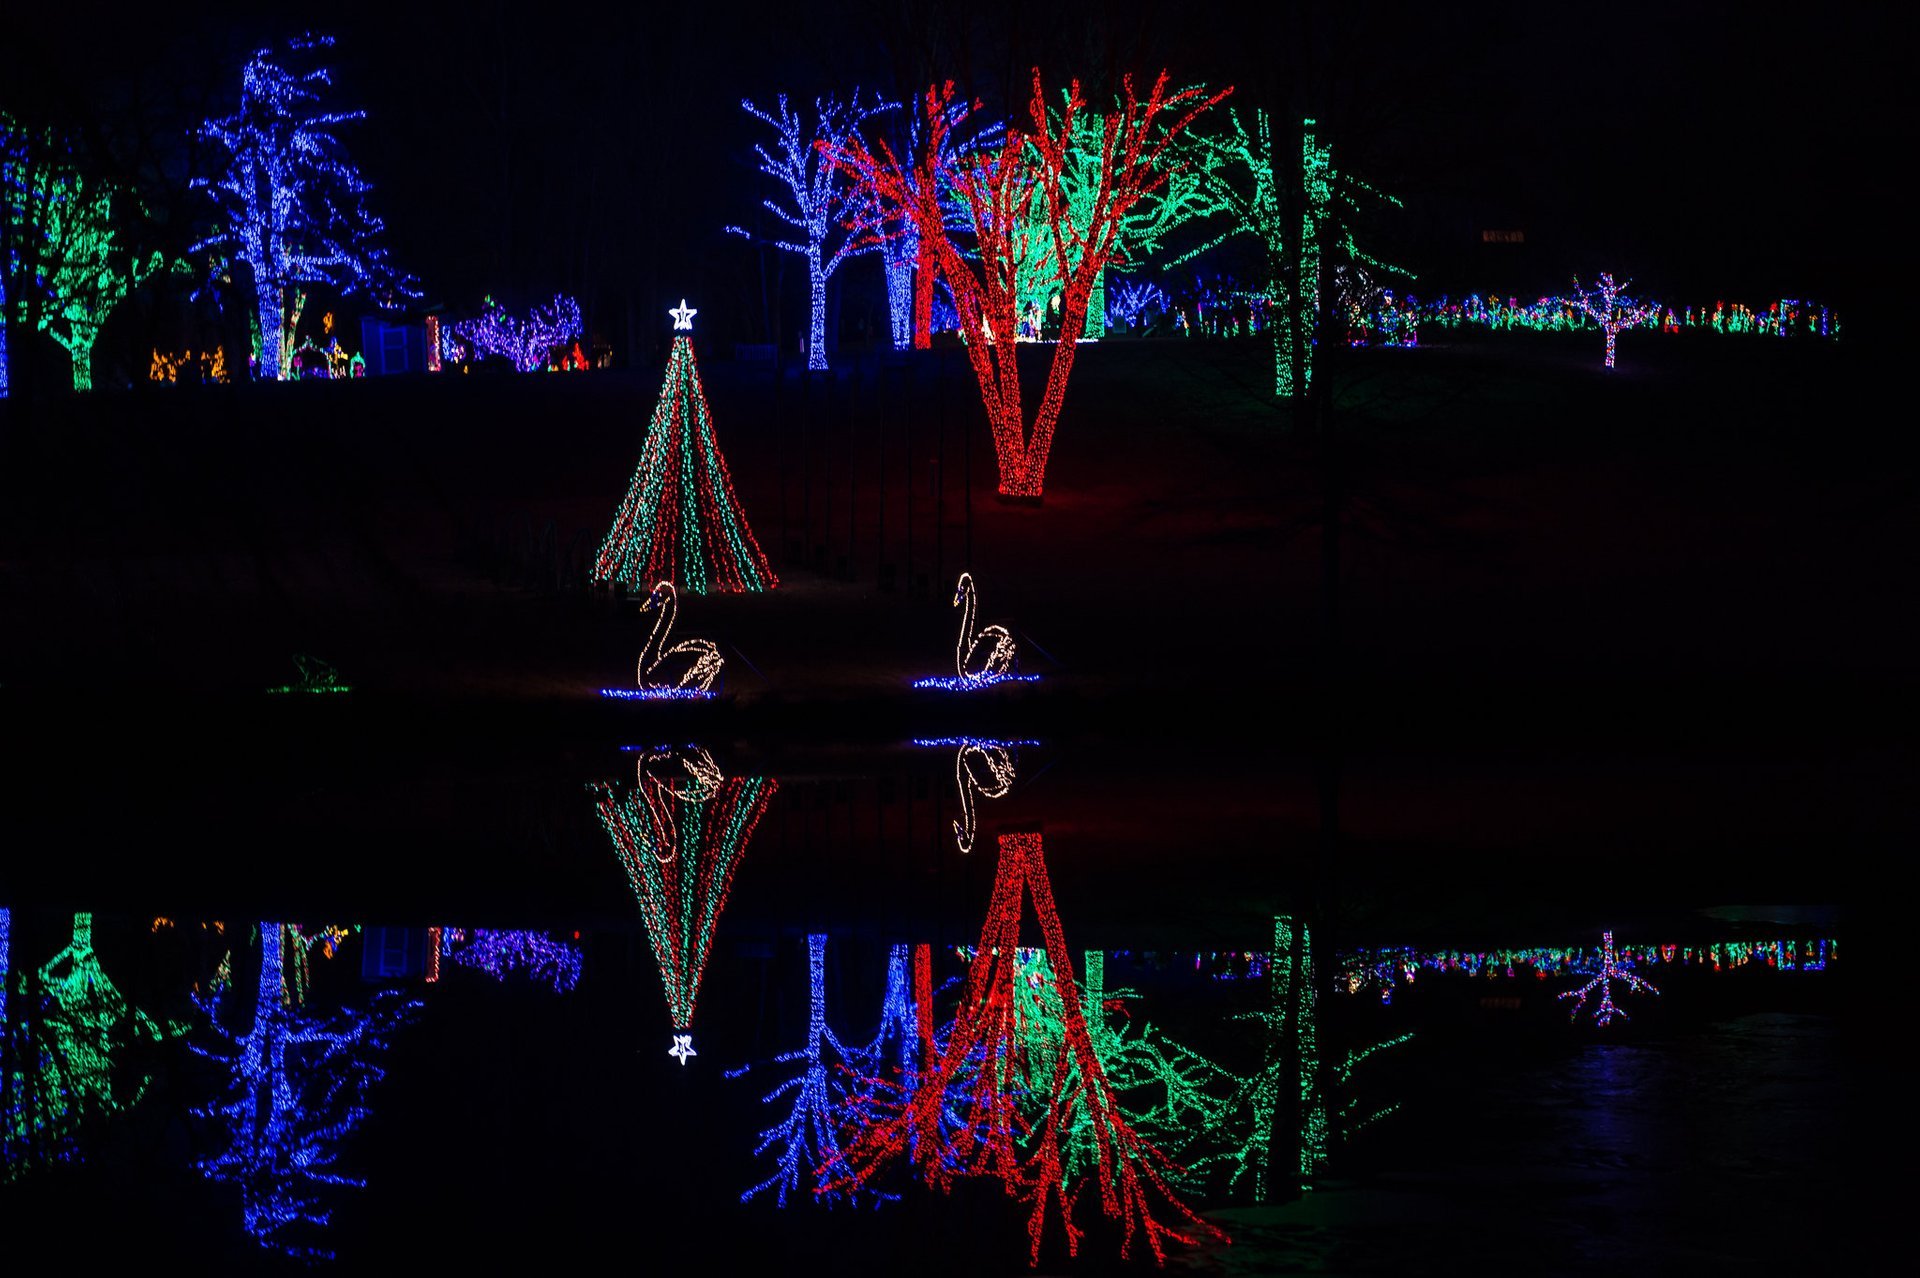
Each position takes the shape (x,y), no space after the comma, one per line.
(1705,151)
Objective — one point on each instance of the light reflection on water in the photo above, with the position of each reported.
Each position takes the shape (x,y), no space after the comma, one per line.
(1697,1136)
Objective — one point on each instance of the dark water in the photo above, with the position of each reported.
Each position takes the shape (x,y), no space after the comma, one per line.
(1717,1150)
(381,1097)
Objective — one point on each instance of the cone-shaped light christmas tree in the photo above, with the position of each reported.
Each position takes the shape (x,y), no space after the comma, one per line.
(681,521)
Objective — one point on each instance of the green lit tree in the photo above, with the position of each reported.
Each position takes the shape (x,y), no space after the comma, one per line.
(69,273)
(1299,217)
(63,1053)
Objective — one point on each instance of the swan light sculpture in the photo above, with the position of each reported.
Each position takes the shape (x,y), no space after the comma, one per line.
(980,658)
(973,757)
(702,659)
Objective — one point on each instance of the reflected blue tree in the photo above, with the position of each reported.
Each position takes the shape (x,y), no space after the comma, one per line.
(297,1086)
(807,1138)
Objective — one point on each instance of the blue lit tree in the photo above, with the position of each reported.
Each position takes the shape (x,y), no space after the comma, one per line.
(528,343)
(825,199)
(807,1138)
(292,205)
(297,1086)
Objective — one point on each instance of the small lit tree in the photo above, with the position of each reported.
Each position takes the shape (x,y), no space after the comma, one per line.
(292,205)
(998,186)
(823,196)
(1608,305)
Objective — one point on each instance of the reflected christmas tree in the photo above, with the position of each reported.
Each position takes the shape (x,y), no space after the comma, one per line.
(680,830)
(296,1087)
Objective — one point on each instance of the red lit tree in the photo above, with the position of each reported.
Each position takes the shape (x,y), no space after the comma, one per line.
(1000,187)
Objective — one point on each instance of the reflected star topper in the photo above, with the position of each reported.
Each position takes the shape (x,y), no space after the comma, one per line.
(682,1047)
(682,316)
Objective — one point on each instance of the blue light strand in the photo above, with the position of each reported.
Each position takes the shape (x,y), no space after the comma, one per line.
(971,683)
(823,195)
(297,1086)
(658,694)
(980,742)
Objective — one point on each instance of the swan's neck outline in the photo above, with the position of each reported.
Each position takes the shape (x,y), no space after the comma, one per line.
(662,627)
(999,764)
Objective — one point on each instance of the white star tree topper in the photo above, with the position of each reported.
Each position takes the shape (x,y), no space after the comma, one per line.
(682,1047)
(682,316)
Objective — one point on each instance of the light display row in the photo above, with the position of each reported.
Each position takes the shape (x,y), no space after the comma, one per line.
(1385,970)
(1387,319)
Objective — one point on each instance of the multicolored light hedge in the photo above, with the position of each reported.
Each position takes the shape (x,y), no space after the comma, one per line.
(296,1087)
(680,520)
(680,837)
(823,195)
(1385,971)
(1387,320)
(999,187)
(1019,1117)
(291,204)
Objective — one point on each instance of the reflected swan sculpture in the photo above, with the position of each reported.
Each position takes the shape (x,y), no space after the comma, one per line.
(968,761)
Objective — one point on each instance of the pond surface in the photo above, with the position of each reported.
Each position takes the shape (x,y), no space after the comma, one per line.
(807,1008)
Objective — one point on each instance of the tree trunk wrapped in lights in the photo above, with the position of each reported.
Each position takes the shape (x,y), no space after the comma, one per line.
(1000,187)
(1031,1110)
(807,1139)
(680,838)
(1608,305)
(292,205)
(297,1085)
(822,196)
(63,1055)
(1239,176)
